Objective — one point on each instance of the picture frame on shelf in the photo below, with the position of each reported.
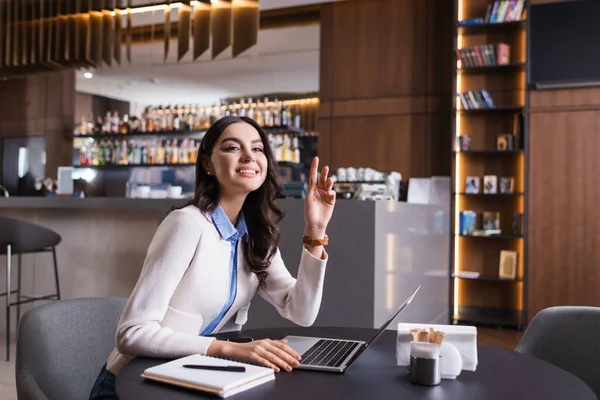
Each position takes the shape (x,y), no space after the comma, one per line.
(507,185)
(472,185)
(505,142)
(507,268)
(467,222)
(490,222)
(462,143)
(490,184)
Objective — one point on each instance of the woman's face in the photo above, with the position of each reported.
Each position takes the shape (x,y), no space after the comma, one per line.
(238,160)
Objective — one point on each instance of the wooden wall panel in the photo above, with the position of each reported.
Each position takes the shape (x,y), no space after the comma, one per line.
(383,81)
(42,104)
(564,218)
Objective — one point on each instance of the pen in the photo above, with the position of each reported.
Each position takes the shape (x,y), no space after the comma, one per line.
(227,368)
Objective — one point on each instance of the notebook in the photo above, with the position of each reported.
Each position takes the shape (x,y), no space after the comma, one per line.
(220,383)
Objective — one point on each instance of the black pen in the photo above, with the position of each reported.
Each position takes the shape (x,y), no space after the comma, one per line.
(227,368)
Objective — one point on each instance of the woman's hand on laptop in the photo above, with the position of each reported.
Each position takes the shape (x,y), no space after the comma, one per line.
(274,354)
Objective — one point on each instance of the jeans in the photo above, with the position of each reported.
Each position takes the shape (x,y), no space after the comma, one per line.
(104,388)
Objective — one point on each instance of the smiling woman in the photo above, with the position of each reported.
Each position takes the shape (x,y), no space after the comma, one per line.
(195,283)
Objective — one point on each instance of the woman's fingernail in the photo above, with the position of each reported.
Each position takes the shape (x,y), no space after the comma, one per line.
(288,368)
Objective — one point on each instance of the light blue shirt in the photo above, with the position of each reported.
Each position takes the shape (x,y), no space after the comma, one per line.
(232,234)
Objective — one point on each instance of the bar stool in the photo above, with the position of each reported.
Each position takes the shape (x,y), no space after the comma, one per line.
(21,237)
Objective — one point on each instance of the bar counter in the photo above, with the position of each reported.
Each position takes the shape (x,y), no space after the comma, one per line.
(160,206)
(378,253)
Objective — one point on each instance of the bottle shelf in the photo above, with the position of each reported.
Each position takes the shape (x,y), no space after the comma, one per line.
(488,152)
(490,110)
(487,237)
(268,129)
(492,28)
(488,278)
(138,134)
(125,166)
(500,68)
(514,194)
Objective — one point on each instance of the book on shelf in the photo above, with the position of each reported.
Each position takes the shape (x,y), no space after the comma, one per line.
(484,55)
(497,12)
(505,11)
(476,100)
(507,268)
(467,274)
(220,383)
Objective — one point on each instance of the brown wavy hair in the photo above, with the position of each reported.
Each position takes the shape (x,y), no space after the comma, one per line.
(260,210)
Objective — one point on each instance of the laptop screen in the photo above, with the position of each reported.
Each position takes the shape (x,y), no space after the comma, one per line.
(394,315)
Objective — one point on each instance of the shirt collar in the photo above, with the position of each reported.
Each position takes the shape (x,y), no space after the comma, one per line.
(225,227)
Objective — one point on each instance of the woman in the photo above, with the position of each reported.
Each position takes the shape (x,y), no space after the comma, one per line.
(208,259)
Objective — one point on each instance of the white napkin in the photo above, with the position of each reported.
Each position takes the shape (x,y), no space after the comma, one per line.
(463,338)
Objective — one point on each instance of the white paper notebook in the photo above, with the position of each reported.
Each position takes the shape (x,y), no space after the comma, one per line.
(221,383)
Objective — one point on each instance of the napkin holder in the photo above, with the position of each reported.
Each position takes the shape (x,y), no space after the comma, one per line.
(458,350)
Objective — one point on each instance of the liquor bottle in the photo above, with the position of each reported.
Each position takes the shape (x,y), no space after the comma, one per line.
(190,119)
(284,115)
(268,115)
(107,123)
(124,125)
(101,153)
(152,152)
(116,155)
(276,114)
(124,153)
(162,121)
(243,111)
(114,126)
(183,152)
(98,125)
(259,114)
(174,152)
(285,149)
(95,159)
(108,150)
(175,121)
(131,155)
(295,150)
(138,153)
(160,153)
(83,159)
(296,117)
(250,112)
(145,155)
(168,152)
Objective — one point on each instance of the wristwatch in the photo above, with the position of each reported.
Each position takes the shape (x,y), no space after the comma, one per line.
(314,241)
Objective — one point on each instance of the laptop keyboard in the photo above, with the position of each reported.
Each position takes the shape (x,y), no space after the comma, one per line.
(328,352)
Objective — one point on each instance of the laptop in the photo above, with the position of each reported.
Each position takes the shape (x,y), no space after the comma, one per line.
(336,355)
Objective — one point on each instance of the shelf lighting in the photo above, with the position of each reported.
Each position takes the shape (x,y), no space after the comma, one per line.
(457,172)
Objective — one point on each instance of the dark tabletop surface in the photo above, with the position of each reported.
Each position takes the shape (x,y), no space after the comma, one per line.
(501,374)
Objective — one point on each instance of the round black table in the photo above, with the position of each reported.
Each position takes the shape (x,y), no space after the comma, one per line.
(501,374)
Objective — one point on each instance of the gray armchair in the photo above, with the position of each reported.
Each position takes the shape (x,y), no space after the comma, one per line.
(567,337)
(62,346)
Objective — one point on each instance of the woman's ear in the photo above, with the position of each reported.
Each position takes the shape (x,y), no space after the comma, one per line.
(206,164)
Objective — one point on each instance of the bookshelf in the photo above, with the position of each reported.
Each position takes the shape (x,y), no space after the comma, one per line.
(489,140)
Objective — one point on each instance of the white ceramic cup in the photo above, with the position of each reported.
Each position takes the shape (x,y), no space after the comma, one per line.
(143,192)
(174,191)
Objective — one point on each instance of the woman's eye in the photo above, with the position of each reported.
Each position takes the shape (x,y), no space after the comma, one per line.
(258,149)
(230,148)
